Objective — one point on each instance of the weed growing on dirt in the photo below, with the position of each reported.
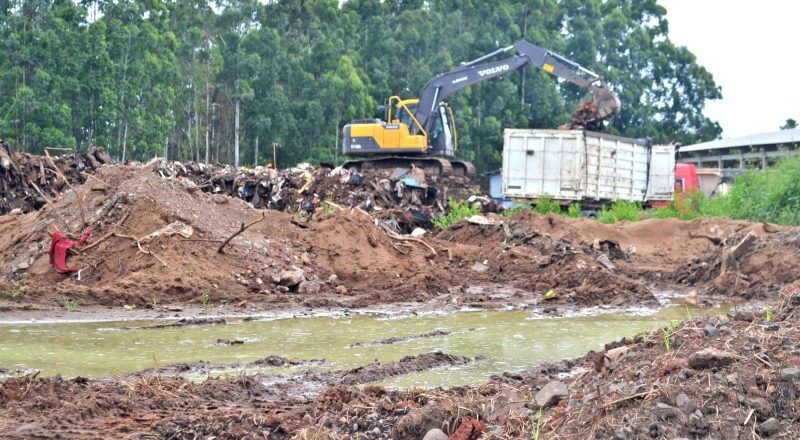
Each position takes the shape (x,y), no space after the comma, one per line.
(538,428)
(545,205)
(646,336)
(15,293)
(154,301)
(517,207)
(71,305)
(621,210)
(205,301)
(673,324)
(574,211)
(667,341)
(458,211)
(687,313)
(768,313)
(192,270)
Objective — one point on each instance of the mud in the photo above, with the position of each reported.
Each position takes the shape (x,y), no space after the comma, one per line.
(395,340)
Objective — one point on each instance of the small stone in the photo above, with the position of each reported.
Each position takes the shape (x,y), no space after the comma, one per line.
(15,211)
(282,289)
(769,427)
(435,434)
(308,287)
(376,431)
(666,412)
(681,400)
(710,358)
(333,278)
(341,290)
(790,373)
(551,394)
(479,267)
(712,331)
(290,278)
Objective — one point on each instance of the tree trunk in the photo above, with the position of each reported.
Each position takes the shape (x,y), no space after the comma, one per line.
(207,124)
(236,136)
(125,142)
(255,158)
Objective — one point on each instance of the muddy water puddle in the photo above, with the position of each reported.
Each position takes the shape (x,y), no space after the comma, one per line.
(505,341)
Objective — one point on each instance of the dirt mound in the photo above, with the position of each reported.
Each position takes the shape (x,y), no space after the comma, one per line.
(750,264)
(134,256)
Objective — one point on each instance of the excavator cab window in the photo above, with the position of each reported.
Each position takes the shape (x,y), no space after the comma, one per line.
(403,115)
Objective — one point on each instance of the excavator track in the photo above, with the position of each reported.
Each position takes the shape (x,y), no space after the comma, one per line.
(433,166)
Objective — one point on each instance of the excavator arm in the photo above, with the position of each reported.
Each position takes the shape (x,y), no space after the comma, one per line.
(603,104)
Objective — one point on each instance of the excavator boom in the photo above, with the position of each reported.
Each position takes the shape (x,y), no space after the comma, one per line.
(424,127)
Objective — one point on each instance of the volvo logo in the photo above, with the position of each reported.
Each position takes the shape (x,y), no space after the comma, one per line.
(493,70)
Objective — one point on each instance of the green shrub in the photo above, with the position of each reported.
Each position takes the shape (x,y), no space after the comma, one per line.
(574,211)
(546,205)
(621,210)
(458,211)
(517,207)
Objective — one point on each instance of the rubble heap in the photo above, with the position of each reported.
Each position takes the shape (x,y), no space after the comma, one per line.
(406,197)
(22,173)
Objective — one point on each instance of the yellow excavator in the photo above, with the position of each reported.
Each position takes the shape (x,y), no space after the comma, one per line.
(422,131)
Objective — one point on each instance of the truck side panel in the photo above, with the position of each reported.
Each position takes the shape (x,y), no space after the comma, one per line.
(574,165)
(543,162)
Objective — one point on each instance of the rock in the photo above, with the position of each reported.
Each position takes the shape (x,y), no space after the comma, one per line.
(15,211)
(790,373)
(710,358)
(681,400)
(666,412)
(290,278)
(435,434)
(341,290)
(603,259)
(418,232)
(479,267)
(551,394)
(219,199)
(712,331)
(616,354)
(417,423)
(771,426)
(333,278)
(308,287)
(760,404)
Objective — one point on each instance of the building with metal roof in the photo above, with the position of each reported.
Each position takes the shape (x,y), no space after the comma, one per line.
(734,155)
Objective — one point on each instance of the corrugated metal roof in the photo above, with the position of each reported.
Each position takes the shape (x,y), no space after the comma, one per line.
(771,138)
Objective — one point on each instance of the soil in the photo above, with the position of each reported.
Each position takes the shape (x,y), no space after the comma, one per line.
(153,251)
(345,259)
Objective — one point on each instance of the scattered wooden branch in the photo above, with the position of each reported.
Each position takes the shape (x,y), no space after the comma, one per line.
(241,229)
(716,240)
(51,205)
(398,237)
(77,196)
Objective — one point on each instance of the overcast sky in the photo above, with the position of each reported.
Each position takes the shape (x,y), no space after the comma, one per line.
(751,48)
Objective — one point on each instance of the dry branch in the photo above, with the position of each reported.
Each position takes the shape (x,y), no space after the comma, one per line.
(241,229)
(77,196)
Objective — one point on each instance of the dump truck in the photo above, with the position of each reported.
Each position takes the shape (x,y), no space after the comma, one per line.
(587,167)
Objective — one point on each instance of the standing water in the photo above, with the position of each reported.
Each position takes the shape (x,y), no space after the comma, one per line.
(507,341)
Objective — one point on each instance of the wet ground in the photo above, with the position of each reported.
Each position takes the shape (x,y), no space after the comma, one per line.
(502,341)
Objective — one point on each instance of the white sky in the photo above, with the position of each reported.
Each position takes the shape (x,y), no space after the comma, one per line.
(751,48)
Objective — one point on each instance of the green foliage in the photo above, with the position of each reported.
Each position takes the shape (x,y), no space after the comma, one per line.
(204,300)
(154,301)
(665,337)
(147,77)
(14,293)
(768,313)
(538,429)
(458,211)
(71,305)
(516,208)
(574,211)
(545,205)
(620,210)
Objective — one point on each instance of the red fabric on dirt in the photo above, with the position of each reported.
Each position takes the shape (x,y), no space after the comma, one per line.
(59,247)
(470,429)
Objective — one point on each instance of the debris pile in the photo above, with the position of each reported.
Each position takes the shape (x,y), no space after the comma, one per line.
(27,180)
(406,198)
(752,263)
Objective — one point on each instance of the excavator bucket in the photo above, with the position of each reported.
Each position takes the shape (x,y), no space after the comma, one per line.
(590,113)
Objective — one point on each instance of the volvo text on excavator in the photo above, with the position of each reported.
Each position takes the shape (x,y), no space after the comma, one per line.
(422,131)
